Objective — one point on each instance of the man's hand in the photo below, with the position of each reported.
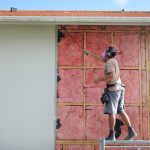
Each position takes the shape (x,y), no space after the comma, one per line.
(96,80)
(85,51)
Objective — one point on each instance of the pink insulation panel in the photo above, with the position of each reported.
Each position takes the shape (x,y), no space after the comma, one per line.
(97,43)
(143,49)
(80,27)
(147,27)
(131,80)
(71,119)
(145,123)
(69,49)
(93,91)
(148,44)
(96,123)
(144,87)
(125,28)
(59,147)
(105,28)
(70,87)
(78,147)
(128,44)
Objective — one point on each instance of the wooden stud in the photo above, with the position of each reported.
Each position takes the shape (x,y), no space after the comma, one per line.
(147,77)
(140,89)
(77,142)
(148,70)
(84,99)
(64,146)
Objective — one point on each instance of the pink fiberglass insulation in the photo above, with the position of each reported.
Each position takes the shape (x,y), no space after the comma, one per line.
(71,119)
(93,91)
(96,123)
(105,28)
(59,147)
(144,87)
(97,43)
(78,147)
(143,50)
(126,28)
(128,44)
(148,44)
(131,80)
(70,87)
(147,27)
(77,27)
(69,49)
(145,123)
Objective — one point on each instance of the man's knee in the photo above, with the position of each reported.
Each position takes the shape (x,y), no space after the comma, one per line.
(122,113)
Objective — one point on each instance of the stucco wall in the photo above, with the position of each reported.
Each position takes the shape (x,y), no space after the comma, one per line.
(27,87)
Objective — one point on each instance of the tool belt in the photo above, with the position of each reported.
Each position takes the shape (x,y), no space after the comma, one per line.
(105,98)
(116,84)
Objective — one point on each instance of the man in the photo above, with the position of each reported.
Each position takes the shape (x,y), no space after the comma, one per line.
(115,90)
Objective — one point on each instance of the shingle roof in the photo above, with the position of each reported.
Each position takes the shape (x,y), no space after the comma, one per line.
(75,13)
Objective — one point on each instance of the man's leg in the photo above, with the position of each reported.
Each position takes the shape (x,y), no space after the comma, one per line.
(131,132)
(125,118)
(111,109)
(112,121)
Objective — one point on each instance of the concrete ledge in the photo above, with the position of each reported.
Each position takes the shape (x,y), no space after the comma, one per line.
(123,144)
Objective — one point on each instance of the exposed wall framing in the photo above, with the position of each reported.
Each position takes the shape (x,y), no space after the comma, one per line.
(139,103)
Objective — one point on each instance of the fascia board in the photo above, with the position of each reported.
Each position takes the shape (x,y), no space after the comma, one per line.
(73,20)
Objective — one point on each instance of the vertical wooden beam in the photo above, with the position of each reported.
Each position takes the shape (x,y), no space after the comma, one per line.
(147,73)
(92,147)
(140,87)
(84,99)
(64,147)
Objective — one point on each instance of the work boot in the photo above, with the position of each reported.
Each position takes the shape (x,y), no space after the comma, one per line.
(111,135)
(131,134)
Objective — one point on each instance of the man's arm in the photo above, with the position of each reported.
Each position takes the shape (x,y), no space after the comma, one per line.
(94,55)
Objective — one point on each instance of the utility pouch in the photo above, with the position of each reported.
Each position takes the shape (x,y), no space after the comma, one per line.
(105,98)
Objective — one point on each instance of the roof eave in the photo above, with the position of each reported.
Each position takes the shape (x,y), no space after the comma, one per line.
(74,20)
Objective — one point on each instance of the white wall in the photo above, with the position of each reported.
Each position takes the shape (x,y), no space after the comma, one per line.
(27,87)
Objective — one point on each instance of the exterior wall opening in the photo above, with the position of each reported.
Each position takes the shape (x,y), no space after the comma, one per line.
(78,106)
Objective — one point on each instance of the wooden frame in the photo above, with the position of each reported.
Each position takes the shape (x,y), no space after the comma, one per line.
(139,68)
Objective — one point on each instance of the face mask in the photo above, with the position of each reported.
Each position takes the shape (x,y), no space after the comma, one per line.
(103,54)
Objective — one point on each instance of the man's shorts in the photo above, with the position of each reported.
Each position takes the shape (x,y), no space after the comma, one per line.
(116,104)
